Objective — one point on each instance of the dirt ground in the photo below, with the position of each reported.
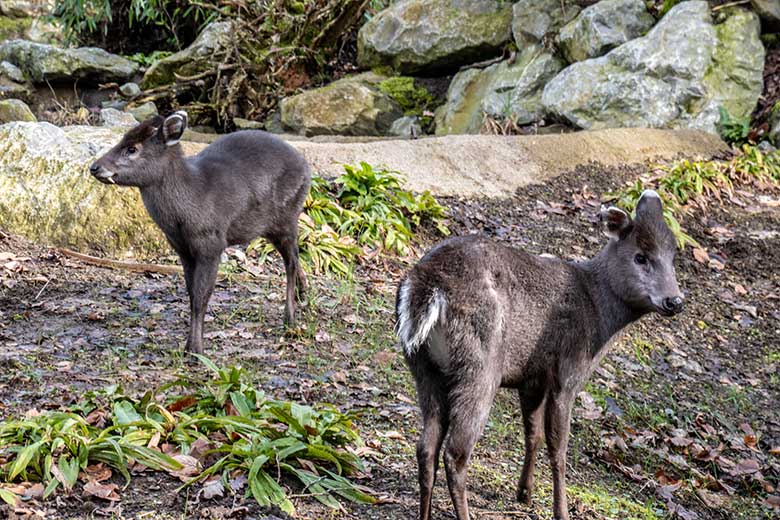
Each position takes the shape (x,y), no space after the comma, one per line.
(680,420)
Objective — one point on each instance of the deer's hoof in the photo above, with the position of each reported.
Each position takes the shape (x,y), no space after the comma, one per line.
(524,496)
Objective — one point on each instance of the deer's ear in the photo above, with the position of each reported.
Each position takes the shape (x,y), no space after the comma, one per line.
(173,127)
(616,222)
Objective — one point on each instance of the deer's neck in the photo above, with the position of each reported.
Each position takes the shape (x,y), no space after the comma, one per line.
(170,200)
(613,314)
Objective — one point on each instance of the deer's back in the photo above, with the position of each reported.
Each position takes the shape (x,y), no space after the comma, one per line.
(504,307)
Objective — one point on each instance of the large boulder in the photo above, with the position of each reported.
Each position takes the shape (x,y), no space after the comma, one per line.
(41,62)
(675,76)
(602,27)
(431,36)
(349,106)
(535,20)
(203,54)
(47,194)
(504,90)
(12,83)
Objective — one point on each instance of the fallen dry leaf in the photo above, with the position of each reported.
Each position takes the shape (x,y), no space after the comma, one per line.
(213,487)
(773,501)
(701,256)
(104,491)
(745,467)
(190,467)
(96,472)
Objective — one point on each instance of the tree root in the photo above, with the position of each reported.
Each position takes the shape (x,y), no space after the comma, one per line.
(118,264)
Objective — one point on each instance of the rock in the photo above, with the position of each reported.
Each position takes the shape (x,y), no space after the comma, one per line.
(115,104)
(532,20)
(433,36)
(774,125)
(25,9)
(15,110)
(130,90)
(349,106)
(143,112)
(407,127)
(12,28)
(11,71)
(675,76)
(12,83)
(200,56)
(502,90)
(113,117)
(42,62)
(769,11)
(41,30)
(246,124)
(46,192)
(602,27)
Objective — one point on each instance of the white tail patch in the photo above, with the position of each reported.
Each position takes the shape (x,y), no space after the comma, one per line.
(412,334)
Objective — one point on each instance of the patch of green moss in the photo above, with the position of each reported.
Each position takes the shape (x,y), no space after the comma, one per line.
(611,506)
(11,28)
(412,99)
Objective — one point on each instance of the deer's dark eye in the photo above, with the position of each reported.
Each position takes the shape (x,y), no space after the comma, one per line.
(131,150)
(640,259)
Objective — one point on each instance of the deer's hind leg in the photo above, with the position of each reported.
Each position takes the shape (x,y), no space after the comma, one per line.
(470,403)
(432,396)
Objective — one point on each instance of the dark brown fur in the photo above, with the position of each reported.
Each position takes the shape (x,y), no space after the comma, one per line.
(505,318)
(244,185)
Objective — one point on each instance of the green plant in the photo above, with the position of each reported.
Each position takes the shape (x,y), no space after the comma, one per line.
(732,130)
(686,183)
(81,18)
(365,206)
(242,430)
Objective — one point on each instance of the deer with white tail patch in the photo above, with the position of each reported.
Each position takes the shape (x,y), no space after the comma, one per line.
(474,316)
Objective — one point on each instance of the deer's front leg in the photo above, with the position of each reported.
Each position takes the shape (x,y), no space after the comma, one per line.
(556,423)
(200,286)
(533,427)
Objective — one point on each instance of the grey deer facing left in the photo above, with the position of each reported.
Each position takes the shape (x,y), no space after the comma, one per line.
(474,315)
(242,186)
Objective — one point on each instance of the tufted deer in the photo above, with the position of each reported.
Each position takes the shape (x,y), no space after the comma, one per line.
(473,316)
(242,186)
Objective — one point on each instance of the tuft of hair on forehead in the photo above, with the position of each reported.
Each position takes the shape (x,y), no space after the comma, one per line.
(143,131)
(653,235)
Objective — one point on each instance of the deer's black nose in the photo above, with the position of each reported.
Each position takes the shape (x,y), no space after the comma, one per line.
(673,305)
(94,168)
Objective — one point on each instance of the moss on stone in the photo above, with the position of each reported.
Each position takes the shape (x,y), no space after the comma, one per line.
(413,100)
(11,28)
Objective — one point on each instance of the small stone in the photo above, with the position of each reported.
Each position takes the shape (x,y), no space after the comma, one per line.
(130,90)
(116,104)
(532,20)
(246,124)
(15,110)
(143,112)
(114,117)
(407,127)
(11,71)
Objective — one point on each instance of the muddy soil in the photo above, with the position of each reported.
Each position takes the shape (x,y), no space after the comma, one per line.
(707,379)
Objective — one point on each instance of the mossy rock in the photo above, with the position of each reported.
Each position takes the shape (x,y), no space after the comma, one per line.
(351,106)
(47,194)
(434,36)
(15,110)
(203,54)
(11,28)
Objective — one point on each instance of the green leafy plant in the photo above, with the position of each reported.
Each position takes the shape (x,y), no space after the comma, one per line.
(147,60)
(733,130)
(239,430)
(366,207)
(687,183)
